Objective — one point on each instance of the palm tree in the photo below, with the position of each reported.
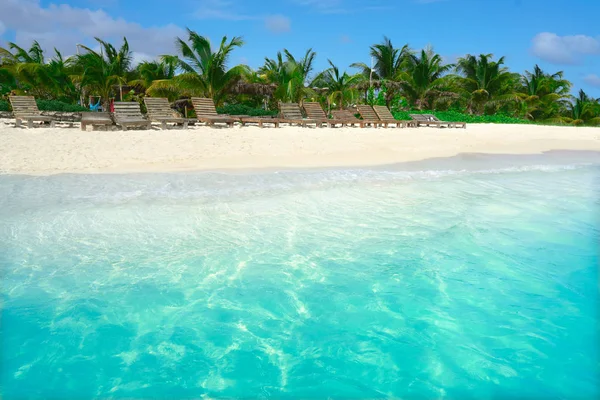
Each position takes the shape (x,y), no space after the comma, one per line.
(100,72)
(7,80)
(584,110)
(35,54)
(290,75)
(150,71)
(305,64)
(340,87)
(543,95)
(25,67)
(486,84)
(119,61)
(425,80)
(29,71)
(388,61)
(205,72)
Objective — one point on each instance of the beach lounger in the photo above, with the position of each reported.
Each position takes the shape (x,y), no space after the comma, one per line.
(207,113)
(261,121)
(159,110)
(450,124)
(95,119)
(422,120)
(291,114)
(128,113)
(315,112)
(386,116)
(25,109)
(347,117)
(368,114)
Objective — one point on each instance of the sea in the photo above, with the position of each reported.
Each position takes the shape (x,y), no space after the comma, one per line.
(474,277)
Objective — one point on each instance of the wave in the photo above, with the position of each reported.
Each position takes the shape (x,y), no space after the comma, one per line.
(215,186)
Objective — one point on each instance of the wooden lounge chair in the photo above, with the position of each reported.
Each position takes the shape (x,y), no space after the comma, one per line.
(244,119)
(159,110)
(95,119)
(385,115)
(128,113)
(315,112)
(450,124)
(368,114)
(207,113)
(347,117)
(424,120)
(291,114)
(25,109)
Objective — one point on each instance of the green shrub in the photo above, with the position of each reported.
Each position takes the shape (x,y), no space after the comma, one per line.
(241,109)
(55,105)
(4,105)
(455,116)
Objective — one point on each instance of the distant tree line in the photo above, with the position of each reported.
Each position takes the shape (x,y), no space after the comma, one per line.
(402,78)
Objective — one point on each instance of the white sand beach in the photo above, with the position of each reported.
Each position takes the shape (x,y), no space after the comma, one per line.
(44,151)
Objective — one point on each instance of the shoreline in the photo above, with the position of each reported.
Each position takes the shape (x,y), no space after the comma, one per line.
(462,162)
(46,151)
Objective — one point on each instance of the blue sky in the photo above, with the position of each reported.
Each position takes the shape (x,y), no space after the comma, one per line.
(556,34)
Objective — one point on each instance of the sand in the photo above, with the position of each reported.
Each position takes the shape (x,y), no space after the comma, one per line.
(44,151)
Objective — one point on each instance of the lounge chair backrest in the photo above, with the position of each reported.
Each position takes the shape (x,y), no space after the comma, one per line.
(367,112)
(346,115)
(204,107)
(128,109)
(432,117)
(24,106)
(314,110)
(419,117)
(158,107)
(384,113)
(290,111)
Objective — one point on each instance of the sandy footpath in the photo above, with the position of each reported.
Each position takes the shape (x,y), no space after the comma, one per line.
(42,151)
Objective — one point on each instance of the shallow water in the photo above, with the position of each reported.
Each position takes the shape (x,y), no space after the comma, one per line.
(349,283)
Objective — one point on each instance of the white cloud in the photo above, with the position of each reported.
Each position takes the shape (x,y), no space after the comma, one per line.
(592,80)
(278,24)
(62,26)
(229,10)
(137,57)
(564,49)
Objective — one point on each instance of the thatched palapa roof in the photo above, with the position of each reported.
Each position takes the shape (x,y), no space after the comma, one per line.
(255,89)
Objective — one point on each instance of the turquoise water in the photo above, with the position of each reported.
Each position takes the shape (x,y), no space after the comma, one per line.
(347,284)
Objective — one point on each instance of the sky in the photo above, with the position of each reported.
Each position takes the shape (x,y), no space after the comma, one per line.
(558,35)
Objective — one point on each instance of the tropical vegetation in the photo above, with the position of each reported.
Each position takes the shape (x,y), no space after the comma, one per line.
(475,88)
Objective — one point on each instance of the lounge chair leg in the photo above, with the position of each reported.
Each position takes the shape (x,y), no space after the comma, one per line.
(30,124)
(185,125)
(17,123)
(163,125)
